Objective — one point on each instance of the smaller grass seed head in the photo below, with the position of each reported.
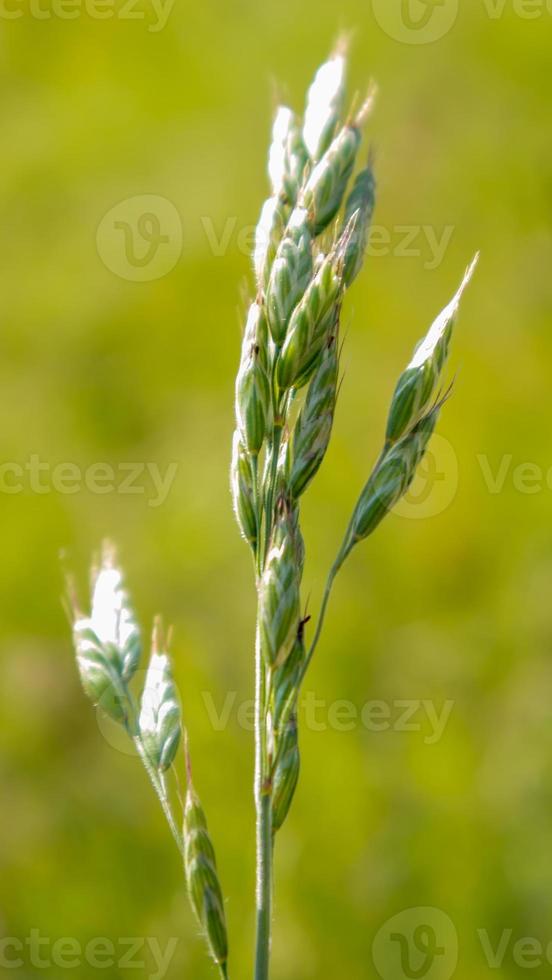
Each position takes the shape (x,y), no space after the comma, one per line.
(361,202)
(202,879)
(389,482)
(268,235)
(253,403)
(418,383)
(325,103)
(290,274)
(287,155)
(279,591)
(313,428)
(107,642)
(285,681)
(325,188)
(243,491)
(315,319)
(159,722)
(286,774)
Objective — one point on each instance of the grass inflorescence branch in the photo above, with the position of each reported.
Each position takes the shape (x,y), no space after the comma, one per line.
(309,249)
(310,245)
(108,650)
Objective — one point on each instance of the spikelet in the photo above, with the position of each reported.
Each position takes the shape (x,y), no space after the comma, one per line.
(325,188)
(290,274)
(417,385)
(287,156)
(159,722)
(202,879)
(389,482)
(360,203)
(107,642)
(279,592)
(243,491)
(252,385)
(313,323)
(314,424)
(285,681)
(268,235)
(324,103)
(286,774)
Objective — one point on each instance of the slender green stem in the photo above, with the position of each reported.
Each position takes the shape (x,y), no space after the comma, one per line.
(343,552)
(159,787)
(292,704)
(264,886)
(157,781)
(321,617)
(263,804)
(263,789)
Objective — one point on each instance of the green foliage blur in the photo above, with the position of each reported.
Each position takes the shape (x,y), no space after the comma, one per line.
(96,367)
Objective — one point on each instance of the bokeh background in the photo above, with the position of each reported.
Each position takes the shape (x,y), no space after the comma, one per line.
(101,364)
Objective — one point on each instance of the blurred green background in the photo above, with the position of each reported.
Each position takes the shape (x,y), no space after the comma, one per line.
(98,368)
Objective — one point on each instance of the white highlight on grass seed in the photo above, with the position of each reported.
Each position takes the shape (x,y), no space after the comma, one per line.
(424,352)
(110,620)
(155,705)
(262,235)
(277,155)
(323,100)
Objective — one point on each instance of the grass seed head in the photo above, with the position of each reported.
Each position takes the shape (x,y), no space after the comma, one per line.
(268,235)
(285,682)
(159,722)
(297,159)
(107,642)
(243,491)
(313,428)
(253,400)
(202,878)
(312,322)
(286,774)
(361,202)
(290,274)
(390,481)
(324,190)
(284,122)
(100,673)
(325,103)
(287,156)
(279,591)
(417,385)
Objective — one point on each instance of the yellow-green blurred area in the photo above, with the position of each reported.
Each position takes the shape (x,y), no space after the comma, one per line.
(102,364)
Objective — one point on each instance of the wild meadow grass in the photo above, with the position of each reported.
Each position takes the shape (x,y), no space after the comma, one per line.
(310,244)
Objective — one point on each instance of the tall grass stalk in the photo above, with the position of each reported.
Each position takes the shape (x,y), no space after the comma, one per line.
(309,249)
